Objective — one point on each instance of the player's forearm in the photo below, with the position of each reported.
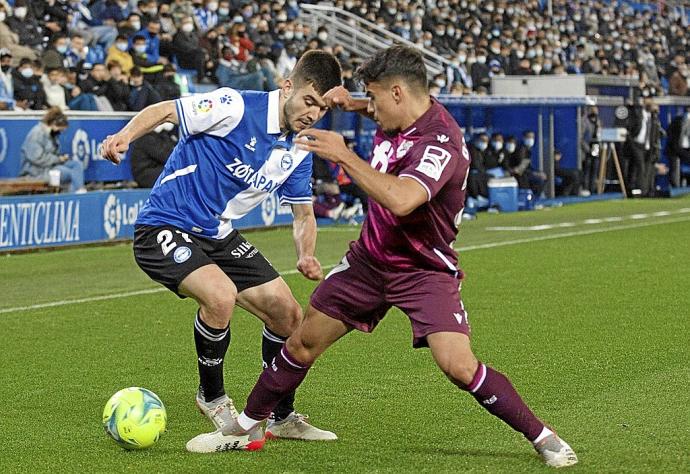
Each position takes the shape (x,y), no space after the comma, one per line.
(388,190)
(304,235)
(149,118)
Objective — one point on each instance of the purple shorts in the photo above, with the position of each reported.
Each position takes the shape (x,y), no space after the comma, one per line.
(359,293)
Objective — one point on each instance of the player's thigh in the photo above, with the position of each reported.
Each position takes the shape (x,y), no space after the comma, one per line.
(317,333)
(353,293)
(431,300)
(213,290)
(453,355)
(274,304)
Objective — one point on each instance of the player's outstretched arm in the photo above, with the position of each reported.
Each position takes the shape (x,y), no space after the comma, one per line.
(304,235)
(339,97)
(142,123)
(401,196)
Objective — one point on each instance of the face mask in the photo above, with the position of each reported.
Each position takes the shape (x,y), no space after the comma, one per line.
(450,32)
(440,82)
(187,27)
(223,11)
(462,58)
(281,18)
(323,36)
(213,6)
(3,15)
(481,59)
(482,145)
(121,46)
(427,43)
(141,48)
(299,35)
(27,72)
(20,12)
(529,142)
(6,68)
(54,133)
(510,147)
(520,54)
(536,68)
(498,146)
(476,31)
(289,35)
(62,49)
(136,25)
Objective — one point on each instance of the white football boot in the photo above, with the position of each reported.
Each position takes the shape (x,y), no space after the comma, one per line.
(220,411)
(295,426)
(237,440)
(555,452)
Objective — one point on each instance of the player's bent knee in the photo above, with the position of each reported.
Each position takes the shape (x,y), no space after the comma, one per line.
(460,371)
(287,318)
(216,311)
(301,349)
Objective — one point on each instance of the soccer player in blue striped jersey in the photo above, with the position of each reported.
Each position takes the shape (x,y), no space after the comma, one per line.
(235,149)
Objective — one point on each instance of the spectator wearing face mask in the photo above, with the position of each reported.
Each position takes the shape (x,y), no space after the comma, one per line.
(118,87)
(478,179)
(141,59)
(9,40)
(141,93)
(40,153)
(495,156)
(119,52)
(167,86)
(56,56)
(6,87)
(188,51)
(132,26)
(480,71)
(520,166)
(28,87)
(207,16)
(590,145)
(150,152)
(23,22)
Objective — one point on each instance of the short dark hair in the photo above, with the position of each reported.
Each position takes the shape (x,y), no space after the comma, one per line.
(397,61)
(135,72)
(318,68)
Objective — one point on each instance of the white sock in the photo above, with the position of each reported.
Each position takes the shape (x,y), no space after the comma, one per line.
(247,423)
(544,433)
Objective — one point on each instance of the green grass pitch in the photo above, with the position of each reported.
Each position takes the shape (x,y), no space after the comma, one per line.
(588,313)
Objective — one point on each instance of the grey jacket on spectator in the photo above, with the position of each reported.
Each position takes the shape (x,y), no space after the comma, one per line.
(39,152)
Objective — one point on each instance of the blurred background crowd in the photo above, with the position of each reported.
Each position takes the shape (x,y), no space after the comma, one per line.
(126,54)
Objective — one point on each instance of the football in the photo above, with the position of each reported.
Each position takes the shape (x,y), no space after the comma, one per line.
(135,418)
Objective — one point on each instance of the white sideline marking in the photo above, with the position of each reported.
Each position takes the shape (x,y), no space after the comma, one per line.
(469,248)
(634,217)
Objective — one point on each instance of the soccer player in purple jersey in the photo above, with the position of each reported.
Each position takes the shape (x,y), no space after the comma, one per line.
(417,180)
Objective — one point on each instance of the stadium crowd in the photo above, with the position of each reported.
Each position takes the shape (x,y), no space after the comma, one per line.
(126,54)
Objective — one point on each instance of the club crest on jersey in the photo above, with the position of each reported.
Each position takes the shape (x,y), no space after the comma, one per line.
(433,162)
(442,138)
(251,146)
(286,162)
(204,106)
(403,148)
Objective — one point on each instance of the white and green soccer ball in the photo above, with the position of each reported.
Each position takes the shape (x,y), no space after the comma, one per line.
(135,418)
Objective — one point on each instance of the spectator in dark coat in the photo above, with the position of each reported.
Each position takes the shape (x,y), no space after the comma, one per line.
(141,93)
(149,154)
(118,87)
(27,86)
(187,50)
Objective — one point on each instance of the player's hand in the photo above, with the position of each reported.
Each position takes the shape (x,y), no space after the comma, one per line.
(114,146)
(328,145)
(338,97)
(310,268)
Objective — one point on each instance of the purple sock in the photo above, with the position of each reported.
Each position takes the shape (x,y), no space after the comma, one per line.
(496,394)
(281,377)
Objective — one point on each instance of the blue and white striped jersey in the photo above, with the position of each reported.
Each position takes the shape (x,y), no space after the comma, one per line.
(230,157)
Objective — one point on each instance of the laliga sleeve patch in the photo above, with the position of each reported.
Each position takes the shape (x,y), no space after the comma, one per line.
(433,162)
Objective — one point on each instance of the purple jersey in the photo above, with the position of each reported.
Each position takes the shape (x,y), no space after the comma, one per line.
(431,151)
